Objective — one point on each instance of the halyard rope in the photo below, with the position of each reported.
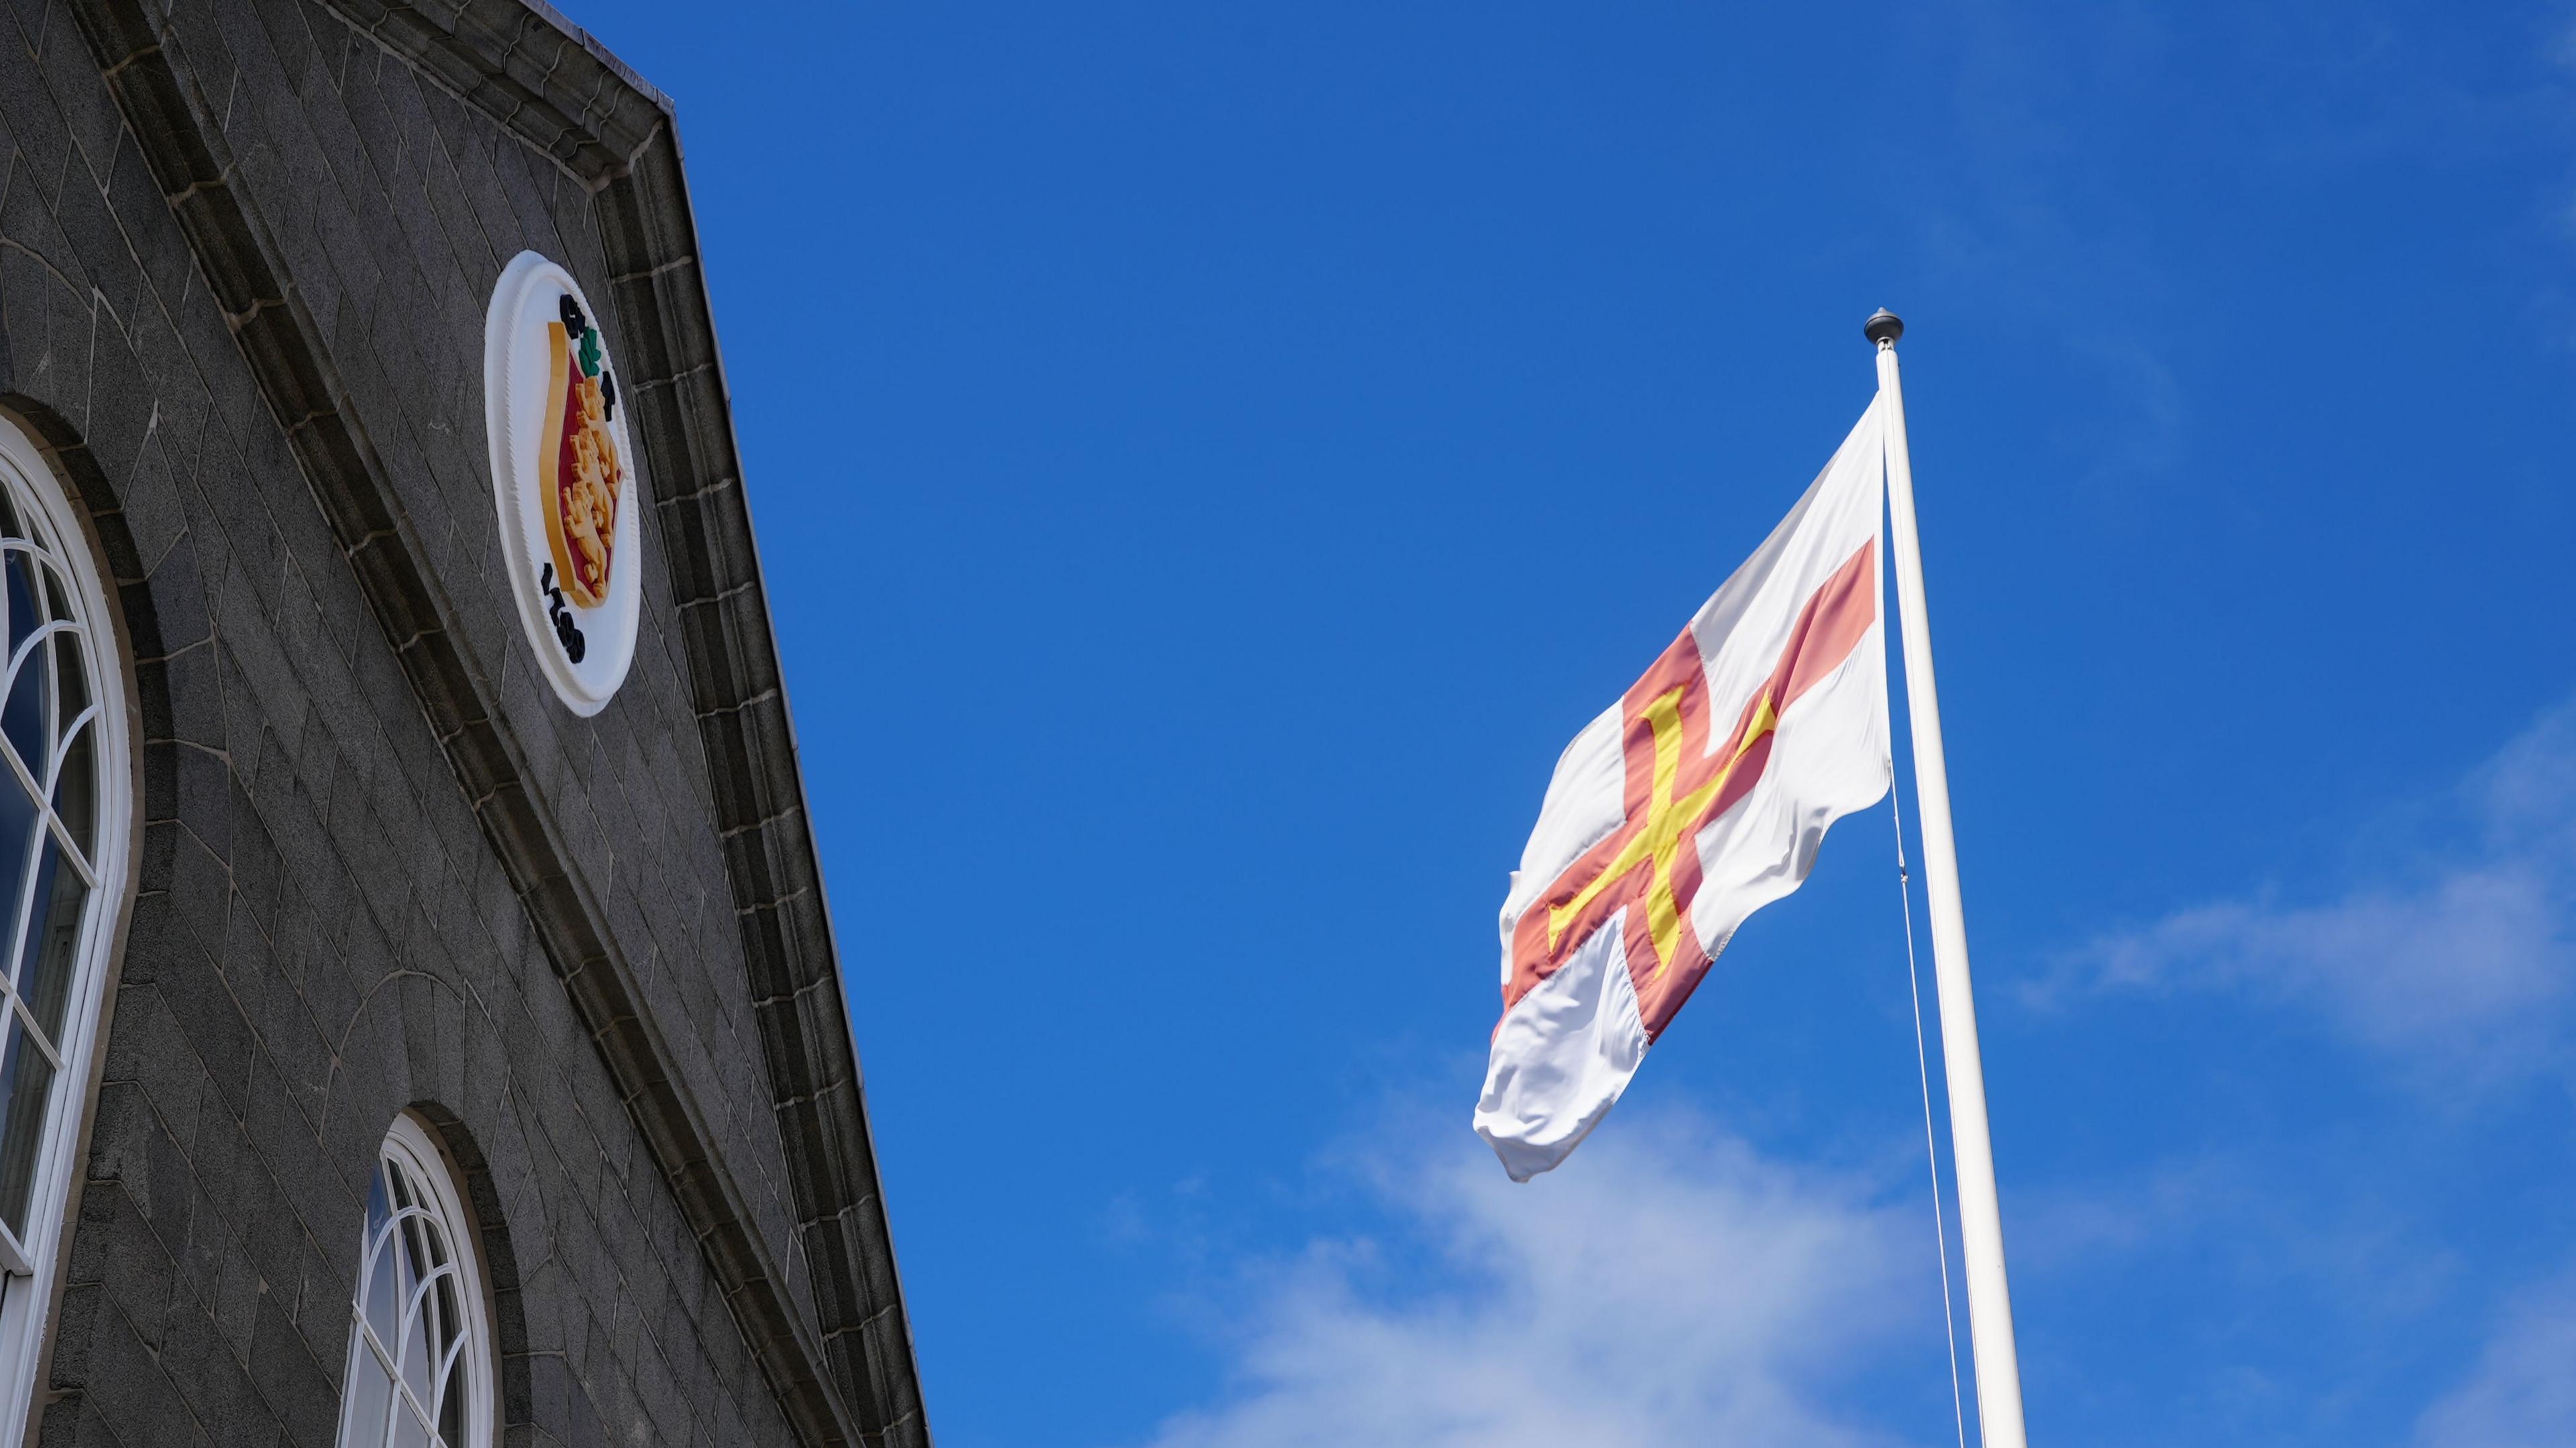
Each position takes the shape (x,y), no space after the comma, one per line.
(1923,1074)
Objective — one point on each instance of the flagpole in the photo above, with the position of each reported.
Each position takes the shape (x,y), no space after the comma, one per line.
(1972,1155)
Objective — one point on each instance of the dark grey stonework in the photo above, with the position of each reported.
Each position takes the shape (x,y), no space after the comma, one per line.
(245,251)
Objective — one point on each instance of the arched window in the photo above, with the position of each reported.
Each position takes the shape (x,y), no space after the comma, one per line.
(420,1350)
(64,802)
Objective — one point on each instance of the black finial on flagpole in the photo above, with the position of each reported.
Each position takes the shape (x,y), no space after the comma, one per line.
(1883,326)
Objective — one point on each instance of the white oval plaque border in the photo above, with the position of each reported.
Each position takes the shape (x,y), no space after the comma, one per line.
(517,378)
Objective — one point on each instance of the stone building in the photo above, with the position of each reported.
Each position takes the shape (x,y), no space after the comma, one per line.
(423,1022)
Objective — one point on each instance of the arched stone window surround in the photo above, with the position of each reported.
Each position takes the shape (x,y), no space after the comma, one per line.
(65,871)
(421,1344)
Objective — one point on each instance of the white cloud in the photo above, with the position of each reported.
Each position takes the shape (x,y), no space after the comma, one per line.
(2248,1225)
(2465,957)
(1668,1286)
(2522,1392)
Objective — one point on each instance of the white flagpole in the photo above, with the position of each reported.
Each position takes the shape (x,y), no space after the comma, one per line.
(1972,1154)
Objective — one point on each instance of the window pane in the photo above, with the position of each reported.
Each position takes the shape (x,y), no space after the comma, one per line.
(70,665)
(379,1206)
(17,837)
(380,1294)
(415,1260)
(76,789)
(26,1083)
(52,948)
(23,616)
(75,678)
(451,1402)
(416,1348)
(371,1392)
(408,1429)
(449,1324)
(22,719)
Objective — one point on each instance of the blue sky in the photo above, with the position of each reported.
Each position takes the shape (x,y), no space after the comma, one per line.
(1209,460)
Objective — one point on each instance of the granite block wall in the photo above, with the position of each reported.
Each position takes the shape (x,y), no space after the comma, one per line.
(245,251)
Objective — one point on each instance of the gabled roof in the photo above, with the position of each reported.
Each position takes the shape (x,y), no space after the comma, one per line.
(847,1374)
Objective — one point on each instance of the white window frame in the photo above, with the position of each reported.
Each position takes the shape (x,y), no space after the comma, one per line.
(412,1145)
(30,1270)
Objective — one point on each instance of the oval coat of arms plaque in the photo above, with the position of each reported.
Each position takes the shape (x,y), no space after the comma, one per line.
(564,478)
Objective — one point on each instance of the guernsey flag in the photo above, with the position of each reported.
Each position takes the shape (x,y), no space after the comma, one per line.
(1698,798)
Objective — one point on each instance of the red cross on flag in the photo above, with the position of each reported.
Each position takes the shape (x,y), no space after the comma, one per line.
(1698,798)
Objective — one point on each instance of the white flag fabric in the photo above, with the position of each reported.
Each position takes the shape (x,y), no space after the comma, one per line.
(1698,798)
